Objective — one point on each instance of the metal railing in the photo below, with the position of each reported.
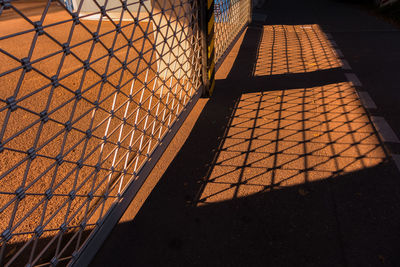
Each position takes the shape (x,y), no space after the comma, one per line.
(91,93)
(231,18)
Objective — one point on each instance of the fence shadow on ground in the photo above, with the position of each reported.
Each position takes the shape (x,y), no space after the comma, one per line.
(282,170)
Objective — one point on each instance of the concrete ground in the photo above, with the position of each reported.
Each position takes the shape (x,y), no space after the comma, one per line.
(283,166)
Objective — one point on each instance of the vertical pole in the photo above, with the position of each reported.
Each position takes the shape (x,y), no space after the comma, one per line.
(203,43)
(208,57)
(250,12)
(210,45)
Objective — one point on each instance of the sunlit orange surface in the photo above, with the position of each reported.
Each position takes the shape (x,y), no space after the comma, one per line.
(294,49)
(283,138)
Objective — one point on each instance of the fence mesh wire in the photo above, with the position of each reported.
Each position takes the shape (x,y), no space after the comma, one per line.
(88,90)
(231,17)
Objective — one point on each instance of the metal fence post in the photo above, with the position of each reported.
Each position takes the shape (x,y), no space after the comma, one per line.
(208,57)
(250,12)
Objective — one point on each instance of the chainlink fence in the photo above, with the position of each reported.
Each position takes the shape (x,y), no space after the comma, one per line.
(90,91)
(231,18)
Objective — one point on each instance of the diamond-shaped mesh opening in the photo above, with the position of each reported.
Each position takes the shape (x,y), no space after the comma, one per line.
(230,19)
(88,90)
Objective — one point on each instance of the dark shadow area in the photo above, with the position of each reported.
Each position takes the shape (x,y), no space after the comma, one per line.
(345,218)
(277,228)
